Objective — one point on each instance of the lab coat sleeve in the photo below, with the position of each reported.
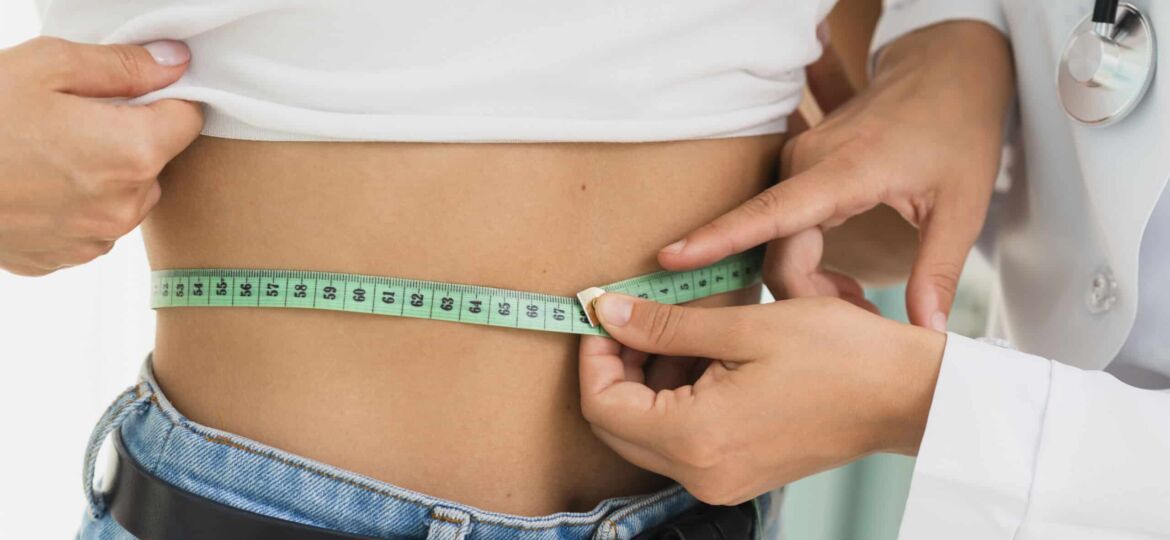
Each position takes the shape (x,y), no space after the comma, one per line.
(900,17)
(1020,447)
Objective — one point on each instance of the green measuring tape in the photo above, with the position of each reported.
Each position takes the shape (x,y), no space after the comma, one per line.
(356,293)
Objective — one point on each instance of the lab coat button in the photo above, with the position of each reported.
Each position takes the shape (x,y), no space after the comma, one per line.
(1102,294)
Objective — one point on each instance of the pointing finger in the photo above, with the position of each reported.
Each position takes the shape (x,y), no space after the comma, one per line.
(819,195)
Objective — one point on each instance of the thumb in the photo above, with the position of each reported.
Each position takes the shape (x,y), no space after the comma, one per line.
(120,70)
(676,330)
(934,279)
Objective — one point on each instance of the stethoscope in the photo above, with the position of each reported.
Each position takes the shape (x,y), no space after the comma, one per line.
(1107,64)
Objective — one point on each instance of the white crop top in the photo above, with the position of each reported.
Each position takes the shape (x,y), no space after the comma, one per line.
(464,71)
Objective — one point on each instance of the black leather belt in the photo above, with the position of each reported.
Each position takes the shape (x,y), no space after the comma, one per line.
(706,522)
(152,509)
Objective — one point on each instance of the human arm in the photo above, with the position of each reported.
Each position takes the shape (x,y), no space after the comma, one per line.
(78,171)
(1009,445)
(1020,447)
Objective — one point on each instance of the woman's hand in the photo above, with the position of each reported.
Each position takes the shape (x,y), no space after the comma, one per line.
(76,171)
(795,387)
(925,139)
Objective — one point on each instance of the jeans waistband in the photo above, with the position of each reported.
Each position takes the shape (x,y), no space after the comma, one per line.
(246,474)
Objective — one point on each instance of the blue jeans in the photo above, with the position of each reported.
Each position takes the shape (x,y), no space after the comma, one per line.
(245,474)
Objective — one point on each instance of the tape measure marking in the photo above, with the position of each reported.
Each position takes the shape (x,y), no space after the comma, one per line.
(399,297)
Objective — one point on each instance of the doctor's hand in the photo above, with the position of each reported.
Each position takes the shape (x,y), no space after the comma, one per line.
(78,171)
(924,138)
(794,387)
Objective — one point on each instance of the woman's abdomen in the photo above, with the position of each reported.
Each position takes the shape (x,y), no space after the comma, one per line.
(485,416)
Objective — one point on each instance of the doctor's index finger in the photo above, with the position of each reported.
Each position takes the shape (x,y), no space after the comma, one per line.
(813,197)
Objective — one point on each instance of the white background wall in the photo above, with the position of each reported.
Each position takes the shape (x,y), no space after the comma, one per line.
(69,343)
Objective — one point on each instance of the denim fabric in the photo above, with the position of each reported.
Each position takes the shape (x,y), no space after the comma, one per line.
(248,475)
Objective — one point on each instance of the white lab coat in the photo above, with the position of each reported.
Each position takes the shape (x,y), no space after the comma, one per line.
(1018,446)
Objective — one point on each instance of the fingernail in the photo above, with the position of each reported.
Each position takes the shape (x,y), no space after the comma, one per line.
(676,247)
(938,321)
(168,53)
(614,309)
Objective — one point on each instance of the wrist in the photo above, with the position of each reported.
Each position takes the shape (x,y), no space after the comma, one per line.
(916,364)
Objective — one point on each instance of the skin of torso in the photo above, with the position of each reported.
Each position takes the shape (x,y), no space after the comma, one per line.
(484,416)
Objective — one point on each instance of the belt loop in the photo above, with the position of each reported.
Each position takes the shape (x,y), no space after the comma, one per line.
(135,397)
(606,530)
(449,524)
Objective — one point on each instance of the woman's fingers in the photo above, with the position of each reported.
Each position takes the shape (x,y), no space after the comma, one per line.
(601,364)
(700,481)
(681,433)
(109,70)
(173,124)
(628,409)
(149,136)
(642,456)
(613,399)
(87,166)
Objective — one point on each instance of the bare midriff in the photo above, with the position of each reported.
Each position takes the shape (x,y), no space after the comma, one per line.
(484,416)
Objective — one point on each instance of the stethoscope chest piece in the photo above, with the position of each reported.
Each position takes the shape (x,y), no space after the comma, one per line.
(1106,69)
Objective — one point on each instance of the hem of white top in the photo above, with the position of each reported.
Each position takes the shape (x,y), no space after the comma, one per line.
(490,131)
(236,117)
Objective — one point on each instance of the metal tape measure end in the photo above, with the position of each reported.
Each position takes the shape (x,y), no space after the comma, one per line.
(587,297)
